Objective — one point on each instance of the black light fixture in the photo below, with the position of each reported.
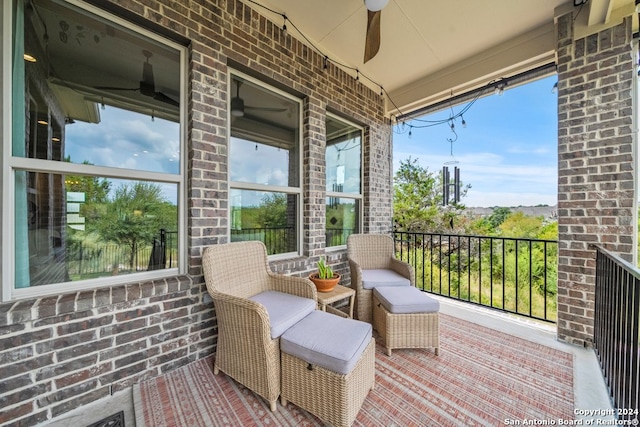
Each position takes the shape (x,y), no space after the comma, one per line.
(237,103)
(237,107)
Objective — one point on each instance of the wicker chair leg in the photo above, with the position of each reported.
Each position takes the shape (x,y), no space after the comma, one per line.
(388,351)
(273,405)
(437,351)
(216,370)
(283,401)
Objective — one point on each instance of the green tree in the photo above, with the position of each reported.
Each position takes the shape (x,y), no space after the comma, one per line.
(520,225)
(274,210)
(135,216)
(417,201)
(498,216)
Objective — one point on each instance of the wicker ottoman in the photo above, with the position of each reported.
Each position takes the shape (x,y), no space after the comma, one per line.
(328,366)
(406,317)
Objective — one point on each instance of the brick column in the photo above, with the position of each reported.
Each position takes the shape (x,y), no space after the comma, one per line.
(595,164)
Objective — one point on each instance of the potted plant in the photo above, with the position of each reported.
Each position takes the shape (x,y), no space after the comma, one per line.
(325,279)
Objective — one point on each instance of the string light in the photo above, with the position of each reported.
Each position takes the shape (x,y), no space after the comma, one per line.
(284,26)
(498,85)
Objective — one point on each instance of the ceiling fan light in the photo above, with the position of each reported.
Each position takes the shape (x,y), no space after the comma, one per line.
(237,107)
(375,5)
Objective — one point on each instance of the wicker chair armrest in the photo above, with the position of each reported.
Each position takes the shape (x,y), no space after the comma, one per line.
(299,286)
(405,269)
(356,274)
(248,314)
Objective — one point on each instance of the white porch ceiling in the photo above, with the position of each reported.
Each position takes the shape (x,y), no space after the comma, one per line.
(432,48)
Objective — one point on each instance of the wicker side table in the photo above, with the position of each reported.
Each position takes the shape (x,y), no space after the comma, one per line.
(338,293)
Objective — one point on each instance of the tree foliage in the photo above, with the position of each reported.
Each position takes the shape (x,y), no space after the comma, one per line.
(134,216)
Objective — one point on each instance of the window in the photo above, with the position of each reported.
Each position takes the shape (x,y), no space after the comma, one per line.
(95,165)
(344,180)
(264,169)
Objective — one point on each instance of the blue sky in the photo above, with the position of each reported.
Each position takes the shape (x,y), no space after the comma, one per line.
(507,152)
(125,139)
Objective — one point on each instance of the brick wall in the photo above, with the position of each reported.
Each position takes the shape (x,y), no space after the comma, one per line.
(61,352)
(595,164)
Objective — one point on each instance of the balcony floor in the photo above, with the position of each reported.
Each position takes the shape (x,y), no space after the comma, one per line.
(589,391)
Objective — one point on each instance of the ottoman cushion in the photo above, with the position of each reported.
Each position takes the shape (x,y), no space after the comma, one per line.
(382,277)
(403,300)
(327,340)
(284,310)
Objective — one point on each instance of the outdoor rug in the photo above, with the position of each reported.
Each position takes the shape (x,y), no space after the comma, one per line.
(481,377)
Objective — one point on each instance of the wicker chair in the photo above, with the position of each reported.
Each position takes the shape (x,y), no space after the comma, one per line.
(246,351)
(372,252)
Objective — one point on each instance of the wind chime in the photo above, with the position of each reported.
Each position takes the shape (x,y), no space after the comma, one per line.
(449,188)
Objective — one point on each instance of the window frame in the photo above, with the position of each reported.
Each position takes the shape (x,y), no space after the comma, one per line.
(359,197)
(240,185)
(11,165)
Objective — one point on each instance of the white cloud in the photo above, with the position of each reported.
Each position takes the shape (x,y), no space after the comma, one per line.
(494,182)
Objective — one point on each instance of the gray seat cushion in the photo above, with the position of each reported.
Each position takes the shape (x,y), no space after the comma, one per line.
(327,340)
(405,300)
(285,310)
(383,277)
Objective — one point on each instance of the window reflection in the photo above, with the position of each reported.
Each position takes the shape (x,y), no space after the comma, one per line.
(264,165)
(269,217)
(344,159)
(108,227)
(97,103)
(343,220)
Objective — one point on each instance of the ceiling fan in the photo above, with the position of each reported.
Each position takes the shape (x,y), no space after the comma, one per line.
(147,84)
(238,108)
(372,38)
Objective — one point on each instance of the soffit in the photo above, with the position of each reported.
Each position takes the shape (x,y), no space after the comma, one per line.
(432,49)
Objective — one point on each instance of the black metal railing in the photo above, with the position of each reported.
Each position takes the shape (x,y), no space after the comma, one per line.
(278,240)
(86,260)
(337,236)
(616,330)
(509,274)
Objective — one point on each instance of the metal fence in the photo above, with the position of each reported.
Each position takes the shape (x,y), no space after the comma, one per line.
(509,274)
(278,240)
(616,331)
(87,260)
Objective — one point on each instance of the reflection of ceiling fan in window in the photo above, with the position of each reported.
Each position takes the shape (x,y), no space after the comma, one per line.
(147,84)
(238,108)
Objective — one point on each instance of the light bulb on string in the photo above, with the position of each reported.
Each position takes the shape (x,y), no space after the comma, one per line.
(284,26)
(464,124)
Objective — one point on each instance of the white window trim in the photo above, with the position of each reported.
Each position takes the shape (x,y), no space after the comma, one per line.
(11,164)
(235,185)
(353,196)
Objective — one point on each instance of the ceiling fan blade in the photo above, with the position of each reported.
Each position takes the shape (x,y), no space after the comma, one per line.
(372,39)
(159,96)
(115,88)
(269,109)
